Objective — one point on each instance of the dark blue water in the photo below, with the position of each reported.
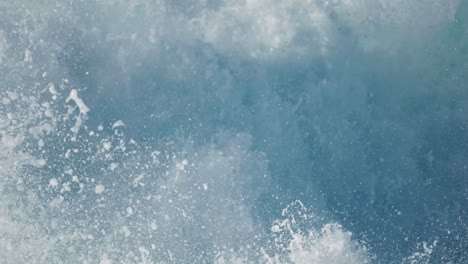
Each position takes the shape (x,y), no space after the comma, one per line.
(255,131)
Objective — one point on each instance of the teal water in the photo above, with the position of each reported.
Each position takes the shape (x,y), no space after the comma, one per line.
(256,131)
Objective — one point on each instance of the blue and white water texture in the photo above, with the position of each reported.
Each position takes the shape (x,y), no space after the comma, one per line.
(234,131)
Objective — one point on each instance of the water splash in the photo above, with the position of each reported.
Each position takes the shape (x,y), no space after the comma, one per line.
(176,131)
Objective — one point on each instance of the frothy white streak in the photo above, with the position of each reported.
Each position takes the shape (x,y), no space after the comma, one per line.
(83,109)
(78,101)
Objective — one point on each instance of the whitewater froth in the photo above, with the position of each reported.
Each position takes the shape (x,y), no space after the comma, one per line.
(178,131)
(178,204)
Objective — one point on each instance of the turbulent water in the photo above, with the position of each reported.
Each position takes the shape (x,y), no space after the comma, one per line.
(234,131)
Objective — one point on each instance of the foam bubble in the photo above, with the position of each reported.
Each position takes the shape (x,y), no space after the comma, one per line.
(99,189)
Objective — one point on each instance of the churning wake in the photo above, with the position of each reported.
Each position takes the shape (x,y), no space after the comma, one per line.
(236,131)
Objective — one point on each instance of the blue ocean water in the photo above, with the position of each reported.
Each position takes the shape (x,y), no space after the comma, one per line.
(234,131)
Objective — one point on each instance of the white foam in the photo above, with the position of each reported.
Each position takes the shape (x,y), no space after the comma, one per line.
(113,166)
(181,165)
(252,29)
(107,145)
(129,211)
(53,182)
(99,189)
(105,260)
(3,46)
(27,55)
(422,254)
(119,123)
(83,109)
(12,95)
(52,90)
(81,105)
(329,244)
(262,28)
